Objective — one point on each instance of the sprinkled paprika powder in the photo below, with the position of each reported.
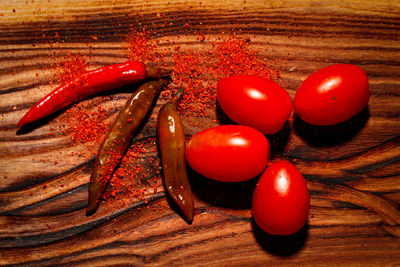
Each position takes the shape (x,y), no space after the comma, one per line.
(198,71)
(138,174)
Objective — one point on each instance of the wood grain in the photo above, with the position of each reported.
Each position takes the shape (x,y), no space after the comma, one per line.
(352,170)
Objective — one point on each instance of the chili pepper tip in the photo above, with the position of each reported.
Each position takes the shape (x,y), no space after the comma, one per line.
(189,215)
(91,207)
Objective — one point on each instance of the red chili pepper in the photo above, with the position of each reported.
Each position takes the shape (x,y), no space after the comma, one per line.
(90,83)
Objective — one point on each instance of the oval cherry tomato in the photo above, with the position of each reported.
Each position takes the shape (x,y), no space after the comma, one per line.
(229,153)
(332,95)
(254,101)
(281,200)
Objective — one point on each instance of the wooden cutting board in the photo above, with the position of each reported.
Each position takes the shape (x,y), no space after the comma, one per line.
(353,171)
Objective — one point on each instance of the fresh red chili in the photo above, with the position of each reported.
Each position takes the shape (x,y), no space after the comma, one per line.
(118,139)
(172,143)
(90,83)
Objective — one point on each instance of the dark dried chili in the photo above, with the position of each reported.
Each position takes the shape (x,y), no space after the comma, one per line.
(118,139)
(172,142)
(90,83)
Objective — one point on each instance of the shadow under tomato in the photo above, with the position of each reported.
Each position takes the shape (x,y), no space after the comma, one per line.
(280,245)
(278,141)
(221,115)
(331,135)
(222,194)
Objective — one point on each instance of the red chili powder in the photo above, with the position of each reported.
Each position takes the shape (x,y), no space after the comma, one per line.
(66,67)
(234,56)
(141,47)
(69,67)
(84,122)
(199,71)
(138,173)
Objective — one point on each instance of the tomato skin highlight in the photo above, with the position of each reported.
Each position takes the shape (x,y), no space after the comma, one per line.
(332,95)
(281,200)
(254,101)
(228,153)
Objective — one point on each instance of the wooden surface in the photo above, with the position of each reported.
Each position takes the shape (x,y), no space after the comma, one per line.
(353,171)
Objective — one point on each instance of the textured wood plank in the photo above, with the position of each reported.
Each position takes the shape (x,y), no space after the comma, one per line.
(352,170)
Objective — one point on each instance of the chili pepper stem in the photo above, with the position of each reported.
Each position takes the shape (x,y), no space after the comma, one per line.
(157,72)
(178,97)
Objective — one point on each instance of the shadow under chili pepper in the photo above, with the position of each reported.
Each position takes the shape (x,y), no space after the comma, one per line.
(27,128)
(173,206)
(283,246)
(331,135)
(222,194)
(171,203)
(130,89)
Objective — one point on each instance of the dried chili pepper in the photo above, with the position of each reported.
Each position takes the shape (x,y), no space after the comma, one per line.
(118,138)
(172,142)
(90,83)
